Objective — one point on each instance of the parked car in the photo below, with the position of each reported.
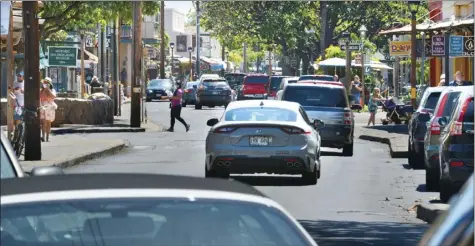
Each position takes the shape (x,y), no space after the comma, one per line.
(456,146)
(327,102)
(285,82)
(274,86)
(10,166)
(445,106)
(254,86)
(455,226)
(213,92)
(317,77)
(418,126)
(251,132)
(158,88)
(142,209)
(189,95)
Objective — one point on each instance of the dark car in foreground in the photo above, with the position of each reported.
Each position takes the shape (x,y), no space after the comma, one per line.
(157,88)
(189,95)
(142,210)
(213,92)
(326,101)
(455,226)
(418,126)
(456,147)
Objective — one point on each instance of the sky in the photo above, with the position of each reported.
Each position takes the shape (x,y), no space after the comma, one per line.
(183,6)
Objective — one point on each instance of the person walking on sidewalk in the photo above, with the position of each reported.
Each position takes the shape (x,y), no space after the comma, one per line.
(175,112)
(373,105)
(48,110)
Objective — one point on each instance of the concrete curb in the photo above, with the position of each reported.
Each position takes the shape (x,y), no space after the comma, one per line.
(394,152)
(430,212)
(60,131)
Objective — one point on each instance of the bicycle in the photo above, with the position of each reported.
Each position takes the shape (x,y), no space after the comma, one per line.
(18,138)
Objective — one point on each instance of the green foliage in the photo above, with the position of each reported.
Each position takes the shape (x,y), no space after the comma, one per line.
(334,51)
(76,15)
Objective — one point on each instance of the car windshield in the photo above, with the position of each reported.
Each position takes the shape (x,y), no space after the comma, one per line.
(432,100)
(147,222)
(316,77)
(260,114)
(316,96)
(257,80)
(190,85)
(215,83)
(166,83)
(6,165)
(275,82)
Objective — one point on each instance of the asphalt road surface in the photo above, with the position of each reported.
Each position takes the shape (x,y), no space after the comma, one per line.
(359,200)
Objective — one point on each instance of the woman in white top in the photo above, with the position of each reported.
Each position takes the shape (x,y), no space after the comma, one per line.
(48,107)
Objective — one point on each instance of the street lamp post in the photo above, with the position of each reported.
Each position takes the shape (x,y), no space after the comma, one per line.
(413,6)
(172,46)
(363,31)
(227,61)
(190,49)
(347,37)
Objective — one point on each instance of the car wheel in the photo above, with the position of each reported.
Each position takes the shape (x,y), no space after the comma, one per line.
(446,191)
(311,177)
(210,173)
(432,179)
(183,104)
(348,150)
(198,106)
(410,153)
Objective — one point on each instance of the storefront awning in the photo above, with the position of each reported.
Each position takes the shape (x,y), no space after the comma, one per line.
(434,26)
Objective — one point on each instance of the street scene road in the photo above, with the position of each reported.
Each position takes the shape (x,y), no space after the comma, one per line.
(361,200)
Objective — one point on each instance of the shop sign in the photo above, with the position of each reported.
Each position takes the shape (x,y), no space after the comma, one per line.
(468,47)
(456,45)
(438,45)
(400,48)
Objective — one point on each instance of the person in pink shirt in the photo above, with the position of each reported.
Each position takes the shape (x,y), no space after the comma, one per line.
(175,112)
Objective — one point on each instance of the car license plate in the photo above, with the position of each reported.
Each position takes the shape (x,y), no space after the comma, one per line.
(159,95)
(258,95)
(259,141)
(215,92)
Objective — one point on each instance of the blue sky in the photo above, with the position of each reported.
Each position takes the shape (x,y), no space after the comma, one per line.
(184,6)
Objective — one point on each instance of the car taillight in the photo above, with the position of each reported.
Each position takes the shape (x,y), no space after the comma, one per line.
(225,130)
(456,163)
(293,130)
(348,118)
(435,127)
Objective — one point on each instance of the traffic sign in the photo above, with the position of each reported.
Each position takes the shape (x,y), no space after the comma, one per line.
(353,46)
(59,56)
(456,45)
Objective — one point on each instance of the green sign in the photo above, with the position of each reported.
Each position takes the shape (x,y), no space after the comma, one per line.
(62,56)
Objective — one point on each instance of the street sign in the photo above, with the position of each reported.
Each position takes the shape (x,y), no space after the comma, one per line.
(456,46)
(367,69)
(59,56)
(438,45)
(468,47)
(353,46)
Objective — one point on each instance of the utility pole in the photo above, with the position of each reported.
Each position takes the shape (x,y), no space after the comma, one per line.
(135,113)
(223,58)
(162,40)
(198,39)
(244,55)
(269,58)
(413,59)
(32,77)
(83,76)
(102,58)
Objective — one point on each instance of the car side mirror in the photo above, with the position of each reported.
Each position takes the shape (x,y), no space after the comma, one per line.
(44,171)
(442,121)
(212,122)
(318,124)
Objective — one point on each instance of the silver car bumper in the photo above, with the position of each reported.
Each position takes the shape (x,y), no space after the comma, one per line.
(277,160)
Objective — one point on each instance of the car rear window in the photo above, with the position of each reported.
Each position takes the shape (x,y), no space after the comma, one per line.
(469,113)
(432,100)
(452,101)
(316,77)
(275,82)
(215,83)
(316,96)
(256,80)
(258,114)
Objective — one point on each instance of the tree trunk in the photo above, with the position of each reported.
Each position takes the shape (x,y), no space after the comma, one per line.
(323,29)
(305,63)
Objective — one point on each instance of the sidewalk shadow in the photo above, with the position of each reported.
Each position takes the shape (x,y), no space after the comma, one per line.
(352,233)
(270,180)
(399,129)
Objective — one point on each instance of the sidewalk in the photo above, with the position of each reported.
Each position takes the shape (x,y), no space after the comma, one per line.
(393,135)
(69,150)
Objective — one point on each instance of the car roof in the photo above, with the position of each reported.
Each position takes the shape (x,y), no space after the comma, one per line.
(263,103)
(316,75)
(257,75)
(327,85)
(96,181)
